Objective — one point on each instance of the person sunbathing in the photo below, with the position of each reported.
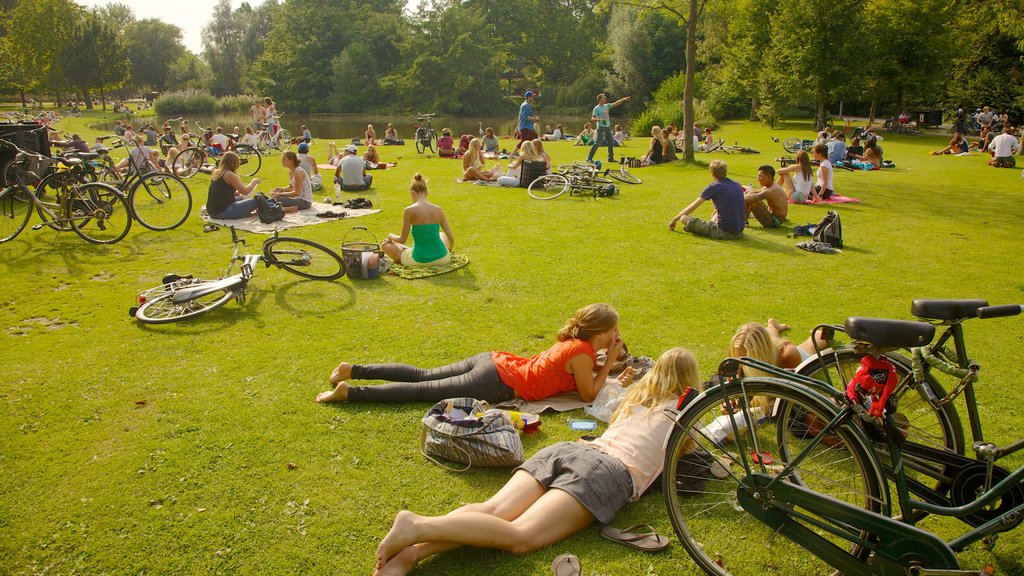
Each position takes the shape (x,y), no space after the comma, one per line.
(496,377)
(563,488)
(957,145)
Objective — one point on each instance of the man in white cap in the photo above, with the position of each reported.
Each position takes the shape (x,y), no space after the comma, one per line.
(350,172)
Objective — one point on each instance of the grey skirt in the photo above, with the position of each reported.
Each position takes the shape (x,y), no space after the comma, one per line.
(600,482)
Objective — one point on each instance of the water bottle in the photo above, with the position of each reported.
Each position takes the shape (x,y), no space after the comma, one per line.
(337,190)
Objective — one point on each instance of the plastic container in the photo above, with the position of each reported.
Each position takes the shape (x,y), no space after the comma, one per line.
(720,428)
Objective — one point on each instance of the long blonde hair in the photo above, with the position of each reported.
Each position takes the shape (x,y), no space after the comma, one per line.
(528,153)
(228,163)
(588,321)
(753,340)
(473,155)
(672,374)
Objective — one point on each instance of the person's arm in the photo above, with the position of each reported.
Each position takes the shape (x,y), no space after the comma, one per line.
(650,149)
(236,183)
(620,101)
(292,191)
(589,384)
(447,231)
(826,174)
(465,162)
(686,212)
(754,197)
(406,227)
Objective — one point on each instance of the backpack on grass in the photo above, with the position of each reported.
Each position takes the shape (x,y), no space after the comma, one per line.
(829,230)
(268,209)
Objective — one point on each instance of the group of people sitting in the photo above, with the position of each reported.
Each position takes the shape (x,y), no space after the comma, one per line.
(474,168)
(1001,147)
(565,487)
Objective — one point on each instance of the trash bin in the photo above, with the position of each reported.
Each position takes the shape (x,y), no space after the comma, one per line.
(21,135)
(928,118)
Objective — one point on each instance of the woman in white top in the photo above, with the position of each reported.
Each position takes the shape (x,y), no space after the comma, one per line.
(796,179)
(527,153)
(298,195)
(473,164)
(250,139)
(563,488)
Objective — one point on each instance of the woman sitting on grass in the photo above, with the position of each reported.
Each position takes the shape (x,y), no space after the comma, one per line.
(473,164)
(656,151)
(568,366)
(796,179)
(298,195)
(429,228)
(227,195)
(538,147)
(527,153)
(765,343)
(563,488)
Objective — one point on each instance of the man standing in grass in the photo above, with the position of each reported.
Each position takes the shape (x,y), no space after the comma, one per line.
(730,210)
(601,118)
(526,119)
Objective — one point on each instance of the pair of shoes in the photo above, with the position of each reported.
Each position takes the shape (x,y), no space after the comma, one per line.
(566,565)
(649,540)
(332,214)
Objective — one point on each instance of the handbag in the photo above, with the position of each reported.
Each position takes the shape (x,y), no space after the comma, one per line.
(462,430)
(268,209)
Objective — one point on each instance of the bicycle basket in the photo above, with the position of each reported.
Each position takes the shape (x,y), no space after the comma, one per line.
(358,255)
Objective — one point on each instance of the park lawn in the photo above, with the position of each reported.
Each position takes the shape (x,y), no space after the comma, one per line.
(128,449)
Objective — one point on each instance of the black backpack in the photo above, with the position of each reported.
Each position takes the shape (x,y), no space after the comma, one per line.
(829,230)
(268,209)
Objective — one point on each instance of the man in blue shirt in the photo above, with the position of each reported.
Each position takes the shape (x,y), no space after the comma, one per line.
(602,120)
(730,211)
(526,119)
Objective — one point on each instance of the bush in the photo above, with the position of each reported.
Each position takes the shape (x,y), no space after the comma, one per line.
(235,103)
(665,113)
(184,102)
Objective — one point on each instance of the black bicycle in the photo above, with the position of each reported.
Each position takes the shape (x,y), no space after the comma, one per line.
(426,138)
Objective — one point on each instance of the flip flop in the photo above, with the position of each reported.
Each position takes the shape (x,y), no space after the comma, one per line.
(566,565)
(649,541)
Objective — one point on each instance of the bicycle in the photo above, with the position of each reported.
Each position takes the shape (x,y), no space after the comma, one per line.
(158,200)
(192,160)
(576,178)
(622,174)
(909,127)
(182,297)
(280,140)
(794,145)
(737,149)
(814,464)
(93,210)
(426,138)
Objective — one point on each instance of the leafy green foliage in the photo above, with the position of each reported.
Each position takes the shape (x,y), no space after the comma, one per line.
(153,47)
(185,102)
(93,56)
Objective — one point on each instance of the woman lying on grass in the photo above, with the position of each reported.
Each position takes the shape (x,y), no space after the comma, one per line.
(568,366)
(563,488)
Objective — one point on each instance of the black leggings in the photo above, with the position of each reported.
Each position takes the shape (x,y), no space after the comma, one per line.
(474,377)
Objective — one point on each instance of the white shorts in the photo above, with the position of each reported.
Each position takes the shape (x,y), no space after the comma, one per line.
(408,261)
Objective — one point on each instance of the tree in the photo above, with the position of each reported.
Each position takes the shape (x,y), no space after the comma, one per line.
(222,46)
(640,51)
(92,56)
(153,46)
(189,72)
(37,30)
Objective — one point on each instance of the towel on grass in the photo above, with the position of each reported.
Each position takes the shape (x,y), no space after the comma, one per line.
(413,272)
(834,199)
(478,182)
(291,220)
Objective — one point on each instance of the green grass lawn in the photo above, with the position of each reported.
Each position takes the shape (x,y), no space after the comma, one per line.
(128,449)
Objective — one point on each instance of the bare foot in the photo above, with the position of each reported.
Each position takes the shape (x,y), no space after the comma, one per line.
(779,327)
(339,394)
(401,563)
(398,538)
(343,371)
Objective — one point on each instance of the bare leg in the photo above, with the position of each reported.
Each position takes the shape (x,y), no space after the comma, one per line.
(776,328)
(474,174)
(786,181)
(393,250)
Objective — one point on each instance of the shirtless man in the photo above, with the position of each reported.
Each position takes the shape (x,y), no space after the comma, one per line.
(257,111)
(769,204)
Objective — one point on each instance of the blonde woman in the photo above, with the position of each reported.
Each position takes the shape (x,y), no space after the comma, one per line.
(371,135)
(656,151)
(429,227)
(567,366)
(528,153)
(227,196)
(764,342)
(563,488)
(538,147)
(796,179)
(473,164)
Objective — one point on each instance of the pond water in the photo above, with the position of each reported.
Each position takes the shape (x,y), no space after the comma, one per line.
(346,126)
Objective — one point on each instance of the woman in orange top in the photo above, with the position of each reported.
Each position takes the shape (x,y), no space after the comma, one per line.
(495,376)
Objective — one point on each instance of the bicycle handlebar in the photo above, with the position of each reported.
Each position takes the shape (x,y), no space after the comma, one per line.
(1000,311)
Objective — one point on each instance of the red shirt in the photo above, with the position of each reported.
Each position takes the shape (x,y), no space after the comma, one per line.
(543,375)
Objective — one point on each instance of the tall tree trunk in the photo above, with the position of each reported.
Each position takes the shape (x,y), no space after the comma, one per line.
(24,103)
(691,72)
(103,98)
(819,121)
(874,109)
(88,98)
(755,102)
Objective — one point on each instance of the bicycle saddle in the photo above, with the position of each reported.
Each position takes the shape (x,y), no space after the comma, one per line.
(886,333)
(85,155)
(946,309)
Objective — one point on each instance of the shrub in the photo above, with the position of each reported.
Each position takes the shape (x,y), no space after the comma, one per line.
(665,113)
(184,102)
(235,103)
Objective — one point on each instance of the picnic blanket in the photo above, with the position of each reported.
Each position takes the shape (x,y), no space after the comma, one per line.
(560,403)
(291,220)
(332,167)
(478,182)
(834,199)
(413,272)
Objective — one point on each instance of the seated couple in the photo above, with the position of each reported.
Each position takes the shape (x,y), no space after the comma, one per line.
(530,151)
(563,488)
(228,198)
(351,172)
(796,179)
(429,227)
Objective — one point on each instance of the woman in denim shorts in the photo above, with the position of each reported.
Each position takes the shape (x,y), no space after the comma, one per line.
(563,488)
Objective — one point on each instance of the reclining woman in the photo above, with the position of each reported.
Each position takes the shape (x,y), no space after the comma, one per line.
(563,488)
(429,228)
(568,366)
(227,195)
(796,179)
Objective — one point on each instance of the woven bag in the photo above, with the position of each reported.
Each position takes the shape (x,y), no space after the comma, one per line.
(460,430)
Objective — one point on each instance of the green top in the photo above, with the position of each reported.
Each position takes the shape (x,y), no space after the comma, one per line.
(428,245)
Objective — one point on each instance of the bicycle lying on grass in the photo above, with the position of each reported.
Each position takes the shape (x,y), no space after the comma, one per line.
(814,464)
(182,297)
(579,179)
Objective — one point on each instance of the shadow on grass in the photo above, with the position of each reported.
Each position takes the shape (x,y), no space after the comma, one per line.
(314,298)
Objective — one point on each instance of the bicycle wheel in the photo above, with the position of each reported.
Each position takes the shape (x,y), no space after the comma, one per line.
(432,140)
(714,479)
(188,163)
(15,210)
(160,201)
(548,186)
(624,176)
(250,160)
(303,257)
(164,310)
(793,145)
(600,180)
(284,139)
(263,143)
(98,212)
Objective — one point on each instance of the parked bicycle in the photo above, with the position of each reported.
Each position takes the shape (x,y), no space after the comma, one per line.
(813,464)
(182,297)
(97,212)
(908,127)
(267,141)
(794,145)
(737,149)
(426,138)
(577,178)
(192,160)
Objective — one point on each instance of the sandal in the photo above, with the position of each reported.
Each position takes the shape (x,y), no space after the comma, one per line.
(566,565)
(649,541)
(211,227)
